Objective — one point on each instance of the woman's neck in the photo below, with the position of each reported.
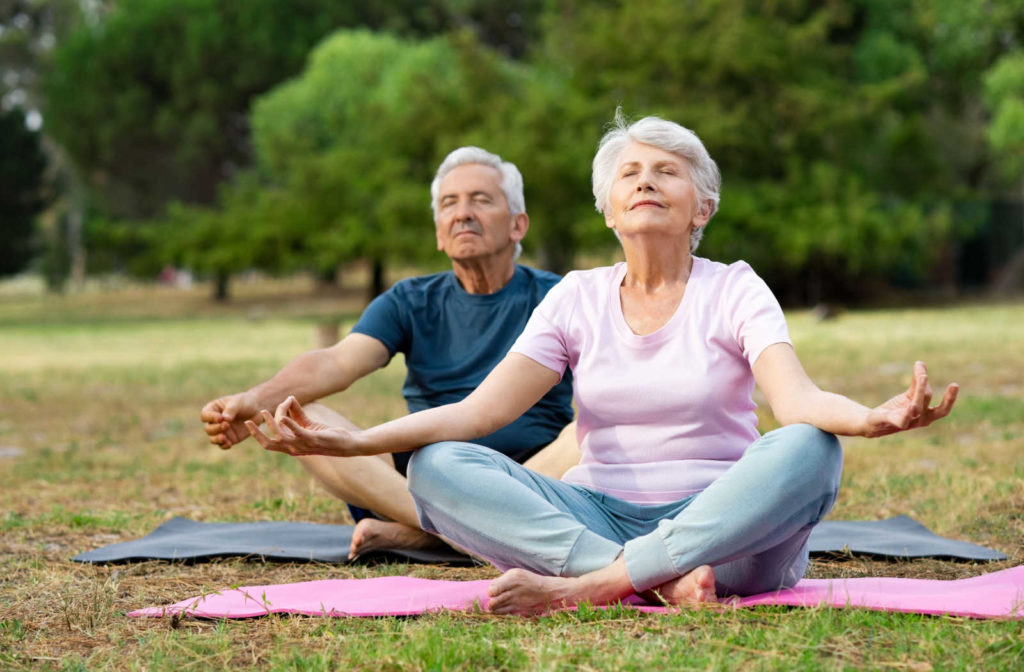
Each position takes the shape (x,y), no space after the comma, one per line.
(654,264)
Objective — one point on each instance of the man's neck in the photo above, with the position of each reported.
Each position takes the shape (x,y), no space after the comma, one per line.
(484,276)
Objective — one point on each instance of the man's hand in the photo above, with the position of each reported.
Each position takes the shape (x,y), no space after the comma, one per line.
(910,409)
(292,432)
(224,419)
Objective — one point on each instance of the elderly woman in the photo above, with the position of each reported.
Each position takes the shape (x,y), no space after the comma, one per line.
(676,491)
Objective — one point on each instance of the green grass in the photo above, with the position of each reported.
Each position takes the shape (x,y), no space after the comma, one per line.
(101,392)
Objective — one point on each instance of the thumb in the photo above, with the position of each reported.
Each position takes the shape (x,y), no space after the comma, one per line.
(230,411)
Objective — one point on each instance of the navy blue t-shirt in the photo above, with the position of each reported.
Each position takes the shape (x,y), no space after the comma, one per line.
(452,339)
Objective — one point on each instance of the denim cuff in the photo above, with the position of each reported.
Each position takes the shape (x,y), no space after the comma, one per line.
(648,562)
(590,552)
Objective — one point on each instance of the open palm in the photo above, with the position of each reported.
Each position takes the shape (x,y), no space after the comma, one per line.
(912,408)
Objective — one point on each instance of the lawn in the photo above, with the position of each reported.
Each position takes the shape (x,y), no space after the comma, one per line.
(100,442)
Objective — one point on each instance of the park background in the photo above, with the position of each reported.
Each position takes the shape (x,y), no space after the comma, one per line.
(194,191)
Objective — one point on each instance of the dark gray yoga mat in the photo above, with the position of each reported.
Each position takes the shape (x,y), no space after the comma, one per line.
(188,540)
(899,537)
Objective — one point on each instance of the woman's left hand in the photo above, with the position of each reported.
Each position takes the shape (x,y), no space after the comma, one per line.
(292,432)
(910,409)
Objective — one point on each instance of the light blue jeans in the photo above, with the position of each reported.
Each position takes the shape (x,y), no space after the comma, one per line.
(751,524)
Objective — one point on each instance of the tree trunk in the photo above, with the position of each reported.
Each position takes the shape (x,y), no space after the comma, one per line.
(76,247)
(326,333)
(222,287)
(61,165)
(328,283)
(377,284)
(558,255)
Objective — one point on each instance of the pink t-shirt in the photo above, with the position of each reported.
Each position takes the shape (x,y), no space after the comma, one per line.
(662,415)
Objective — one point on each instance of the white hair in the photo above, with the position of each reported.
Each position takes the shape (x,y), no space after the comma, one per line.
(665,135)
(511,180)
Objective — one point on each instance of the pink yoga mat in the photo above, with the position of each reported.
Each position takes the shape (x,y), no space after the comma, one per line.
(995,595)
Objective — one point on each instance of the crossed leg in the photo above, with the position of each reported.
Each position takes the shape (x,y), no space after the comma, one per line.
(560,546)
(372,482)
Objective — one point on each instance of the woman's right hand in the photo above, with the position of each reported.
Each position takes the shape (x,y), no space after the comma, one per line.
(292,432)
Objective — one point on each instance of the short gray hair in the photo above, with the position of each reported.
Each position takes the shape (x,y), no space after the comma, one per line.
(665,135)
(511,179)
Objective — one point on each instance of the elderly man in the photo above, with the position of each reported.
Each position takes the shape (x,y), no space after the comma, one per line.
(452,327)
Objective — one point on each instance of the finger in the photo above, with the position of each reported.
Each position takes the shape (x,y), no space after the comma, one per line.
(260,437)
(283,433)
(296,431)
(918,387)
(214,428)
(265,441)
(295,428)
(282,409)
(210,413)
(271,423)
(948,399)
(297,412)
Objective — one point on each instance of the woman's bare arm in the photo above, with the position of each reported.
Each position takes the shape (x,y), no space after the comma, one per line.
(515,384)
(794,398)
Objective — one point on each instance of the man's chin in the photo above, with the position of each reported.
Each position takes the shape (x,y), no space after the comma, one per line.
(467,252)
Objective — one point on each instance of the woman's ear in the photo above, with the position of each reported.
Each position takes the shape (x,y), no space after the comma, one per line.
(705,209)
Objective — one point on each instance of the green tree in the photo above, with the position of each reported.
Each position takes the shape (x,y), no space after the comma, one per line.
(845,132)
(344,155)
(22,168)
(1004,89)
(29,32)
(544,126)
(152,100)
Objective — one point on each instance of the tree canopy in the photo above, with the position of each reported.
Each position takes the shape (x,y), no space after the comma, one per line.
(856,139)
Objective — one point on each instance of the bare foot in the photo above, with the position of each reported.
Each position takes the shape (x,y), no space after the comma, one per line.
(696,587)
(518,591)
(371,534)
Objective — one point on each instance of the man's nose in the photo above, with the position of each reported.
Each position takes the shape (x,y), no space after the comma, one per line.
(463,211)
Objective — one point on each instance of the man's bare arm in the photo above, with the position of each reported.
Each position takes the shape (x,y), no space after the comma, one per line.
(310,376)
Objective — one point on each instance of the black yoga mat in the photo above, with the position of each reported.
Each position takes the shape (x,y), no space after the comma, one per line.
(184,539)
(899,537)
(189,540)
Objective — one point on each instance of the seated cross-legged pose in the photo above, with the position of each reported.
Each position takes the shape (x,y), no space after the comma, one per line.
(452,328)
(676,492)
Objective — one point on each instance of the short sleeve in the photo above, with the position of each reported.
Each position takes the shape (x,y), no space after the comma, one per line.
(755,315)
(544,339)
(387,321)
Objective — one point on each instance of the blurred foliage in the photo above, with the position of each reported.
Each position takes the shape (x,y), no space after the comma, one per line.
(22,197)
(344,152)
(844,131)
(853,136)
(163,87)
(1004,89)
(29,31)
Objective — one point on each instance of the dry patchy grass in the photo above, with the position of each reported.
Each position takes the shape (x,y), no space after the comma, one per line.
(100,442)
